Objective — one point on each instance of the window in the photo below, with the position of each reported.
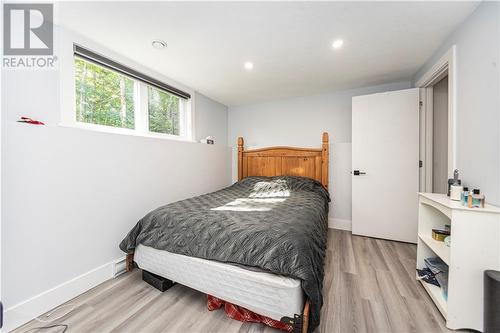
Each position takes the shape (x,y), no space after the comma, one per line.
(110,94)
(164,111)
(103,97)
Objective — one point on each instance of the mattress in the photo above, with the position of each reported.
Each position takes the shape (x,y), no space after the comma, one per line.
(267,294)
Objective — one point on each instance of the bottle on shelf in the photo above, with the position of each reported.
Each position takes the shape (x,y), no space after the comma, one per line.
(465,196)
(454,186)
(476,200)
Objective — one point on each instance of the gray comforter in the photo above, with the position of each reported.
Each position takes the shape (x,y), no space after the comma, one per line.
(277,224)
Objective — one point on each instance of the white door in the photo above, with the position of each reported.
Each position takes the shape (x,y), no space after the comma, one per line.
(385,162)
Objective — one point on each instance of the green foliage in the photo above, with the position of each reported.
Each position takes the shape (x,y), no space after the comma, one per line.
(163,109)
(103,96)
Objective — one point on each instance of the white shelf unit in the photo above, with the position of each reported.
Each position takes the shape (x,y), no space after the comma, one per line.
(475,247)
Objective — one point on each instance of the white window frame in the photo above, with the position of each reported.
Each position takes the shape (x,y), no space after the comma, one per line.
(142,89)
(141,116)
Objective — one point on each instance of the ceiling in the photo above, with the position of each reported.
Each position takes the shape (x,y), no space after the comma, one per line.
(290,43)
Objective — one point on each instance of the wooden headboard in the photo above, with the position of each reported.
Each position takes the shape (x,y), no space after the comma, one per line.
(284,161)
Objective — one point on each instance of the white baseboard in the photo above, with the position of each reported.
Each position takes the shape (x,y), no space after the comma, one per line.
(119,266)
(25,311)
(340,224)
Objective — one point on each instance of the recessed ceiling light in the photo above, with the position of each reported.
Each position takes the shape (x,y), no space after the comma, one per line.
(159,44)
(248,65)
(337,44)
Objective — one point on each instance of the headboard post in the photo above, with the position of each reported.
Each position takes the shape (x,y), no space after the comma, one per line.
(324,161)
(240,158)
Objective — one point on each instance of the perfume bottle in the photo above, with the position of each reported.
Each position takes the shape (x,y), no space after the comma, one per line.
(476,199)
(465,196)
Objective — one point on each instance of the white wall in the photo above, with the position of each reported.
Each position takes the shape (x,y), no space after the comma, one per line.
(211,119)
(70,195)
(300,122)
(477,43)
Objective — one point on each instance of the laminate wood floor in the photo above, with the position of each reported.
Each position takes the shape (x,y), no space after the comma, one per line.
(369,286)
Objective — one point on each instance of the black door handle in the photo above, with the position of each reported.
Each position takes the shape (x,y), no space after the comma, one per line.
(357,173)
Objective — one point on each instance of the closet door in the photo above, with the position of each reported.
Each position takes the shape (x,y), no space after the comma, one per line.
(385,162)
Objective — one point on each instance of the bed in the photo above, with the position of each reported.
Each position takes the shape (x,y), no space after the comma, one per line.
(259,244)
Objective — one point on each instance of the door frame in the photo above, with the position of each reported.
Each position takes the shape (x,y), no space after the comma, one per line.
(446,65)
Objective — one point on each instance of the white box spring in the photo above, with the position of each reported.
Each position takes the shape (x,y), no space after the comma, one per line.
(267,294)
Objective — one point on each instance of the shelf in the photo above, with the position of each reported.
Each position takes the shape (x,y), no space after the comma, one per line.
(473,253)
(437,297)
(439,248)
(445,201)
